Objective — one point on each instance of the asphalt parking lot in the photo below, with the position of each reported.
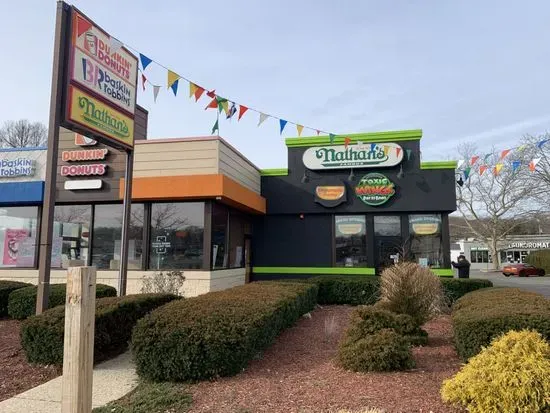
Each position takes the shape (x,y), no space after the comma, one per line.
(539,285)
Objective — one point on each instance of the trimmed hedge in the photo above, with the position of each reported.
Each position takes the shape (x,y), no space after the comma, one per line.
(42,335)
(22,302)
(482,315)
(352,290)
(6,287)
(539,259)
(455,288)
(218,333)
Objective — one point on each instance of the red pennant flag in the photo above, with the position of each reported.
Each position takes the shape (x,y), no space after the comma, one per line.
(198,93)
(82,25)
(504,154)
(213,104)
(143,80)
(211,94)
(482,169)
(397,151)
(347,141)
(318,132)
(242,110)
(474,159)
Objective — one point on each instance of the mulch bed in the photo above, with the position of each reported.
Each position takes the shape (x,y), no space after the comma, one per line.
(298,375)
(16,375)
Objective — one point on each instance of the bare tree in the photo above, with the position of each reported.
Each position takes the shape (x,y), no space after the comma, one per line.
(489,201)
(541,152)
(22,133)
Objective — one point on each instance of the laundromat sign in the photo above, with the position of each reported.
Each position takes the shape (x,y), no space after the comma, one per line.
(364,155)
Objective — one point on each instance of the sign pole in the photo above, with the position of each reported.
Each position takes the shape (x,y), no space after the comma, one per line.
(126,216)
(56,105)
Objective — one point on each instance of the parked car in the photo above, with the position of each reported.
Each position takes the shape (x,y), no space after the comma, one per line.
(522,270)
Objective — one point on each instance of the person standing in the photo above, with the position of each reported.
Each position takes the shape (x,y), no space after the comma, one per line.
(463,266)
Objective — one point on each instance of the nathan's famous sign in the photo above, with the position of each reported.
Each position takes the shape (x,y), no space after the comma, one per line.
(367,155)
(101,85)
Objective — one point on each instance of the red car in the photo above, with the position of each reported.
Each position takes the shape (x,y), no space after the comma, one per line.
(522,270)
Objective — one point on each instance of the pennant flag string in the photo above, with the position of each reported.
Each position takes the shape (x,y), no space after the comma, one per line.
(242,111)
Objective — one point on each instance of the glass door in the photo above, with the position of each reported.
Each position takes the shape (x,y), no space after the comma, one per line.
(388,242)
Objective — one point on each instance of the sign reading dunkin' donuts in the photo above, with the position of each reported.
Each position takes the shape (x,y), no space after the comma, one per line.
(101,84)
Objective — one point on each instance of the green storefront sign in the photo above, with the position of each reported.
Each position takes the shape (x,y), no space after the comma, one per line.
(375,189)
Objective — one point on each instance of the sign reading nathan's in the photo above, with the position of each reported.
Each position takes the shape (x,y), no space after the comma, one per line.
(366,155)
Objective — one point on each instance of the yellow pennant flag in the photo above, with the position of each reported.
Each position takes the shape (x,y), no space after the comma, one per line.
(522,148)
(225,105)
(386,150)
(498,168)
(299,128)
(172,77)
(192,89)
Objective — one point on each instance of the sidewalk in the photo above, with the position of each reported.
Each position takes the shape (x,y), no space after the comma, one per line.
(112,380)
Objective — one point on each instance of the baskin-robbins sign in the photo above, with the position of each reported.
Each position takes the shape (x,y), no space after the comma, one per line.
(365,155)
(12,168)
(330,196)
(101,84)
(375,189)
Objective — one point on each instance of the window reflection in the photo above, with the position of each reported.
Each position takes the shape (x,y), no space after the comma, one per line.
(71,235)
(426,243)
(18,236)
(351,241)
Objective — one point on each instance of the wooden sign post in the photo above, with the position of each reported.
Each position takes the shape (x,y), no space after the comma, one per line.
(78,348)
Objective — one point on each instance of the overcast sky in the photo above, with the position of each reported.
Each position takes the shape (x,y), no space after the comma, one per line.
(465,70)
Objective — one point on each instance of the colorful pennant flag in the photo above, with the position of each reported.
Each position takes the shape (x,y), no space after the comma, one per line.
(533,164)
(386,148)
(211,94)
(232,111)
(299,128)
(522,148)
(515,165)
(282,124)
(459,164)
(318,131)
(115,44)
(242,111)
(216,127)
(541,143)
(145,61)
(192,89)
(497,169)
(398,151)
(347,141)
(474,159)
(174,87)
(143,80)
(198,92)
(331,137)
(263,118)
(467,173)
(173,78)
(504,154)
(409,153)
(156,90)
(212,105)
(482,169)
(486,158)
(223,104)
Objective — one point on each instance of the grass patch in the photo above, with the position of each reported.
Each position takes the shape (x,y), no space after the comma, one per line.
(151,398)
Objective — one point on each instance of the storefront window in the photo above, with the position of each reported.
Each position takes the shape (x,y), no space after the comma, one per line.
(479,256)
(238,226)
(220,254)
(177,233)
(426,244)
(351,241)
(18,236)
(387,226)
(71,235)
(107,235)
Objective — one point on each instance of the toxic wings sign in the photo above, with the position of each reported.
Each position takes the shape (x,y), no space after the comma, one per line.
(101,84)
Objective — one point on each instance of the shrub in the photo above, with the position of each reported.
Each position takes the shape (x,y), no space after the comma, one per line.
(454,288)
(22,302)
(385,350)
(218,333)
(352,290)
(482,315)
(540,259)
(6,287)
(169,282)
(367,320)
(42,335)
(511,375)
(408,288)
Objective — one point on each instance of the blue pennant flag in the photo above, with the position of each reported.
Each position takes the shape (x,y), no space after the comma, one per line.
(283,123)
(145,61)
(174,87)
(467,173)
(515,165)
(372,147)
(539,145)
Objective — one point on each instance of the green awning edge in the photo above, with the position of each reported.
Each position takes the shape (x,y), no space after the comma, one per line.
(439,165)
(274,172)
(371,137)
